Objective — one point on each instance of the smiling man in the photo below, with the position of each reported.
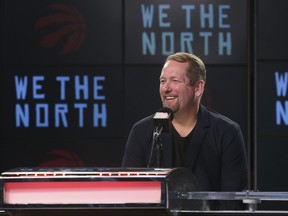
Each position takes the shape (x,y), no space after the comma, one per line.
(202,140)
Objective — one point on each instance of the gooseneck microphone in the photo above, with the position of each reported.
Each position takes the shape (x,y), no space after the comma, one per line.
(162,123)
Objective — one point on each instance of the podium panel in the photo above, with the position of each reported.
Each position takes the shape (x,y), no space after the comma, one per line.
(85,191)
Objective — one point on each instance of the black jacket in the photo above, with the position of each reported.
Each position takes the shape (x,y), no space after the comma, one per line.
(216,154)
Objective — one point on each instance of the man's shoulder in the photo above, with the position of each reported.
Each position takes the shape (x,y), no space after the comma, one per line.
(218,118)
(148,120)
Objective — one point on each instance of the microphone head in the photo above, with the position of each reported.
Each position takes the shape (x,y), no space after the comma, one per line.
(163,118)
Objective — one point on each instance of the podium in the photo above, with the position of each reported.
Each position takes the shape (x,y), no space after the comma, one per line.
(117,191)
(96,191)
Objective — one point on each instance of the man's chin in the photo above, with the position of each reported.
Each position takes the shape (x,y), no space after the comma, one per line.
(173,108)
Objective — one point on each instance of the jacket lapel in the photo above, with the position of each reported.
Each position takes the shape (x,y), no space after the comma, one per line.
(196,142)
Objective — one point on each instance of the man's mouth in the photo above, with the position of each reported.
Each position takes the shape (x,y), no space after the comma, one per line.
(169,97)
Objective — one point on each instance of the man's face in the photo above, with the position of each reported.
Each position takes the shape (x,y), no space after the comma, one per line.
(175,91)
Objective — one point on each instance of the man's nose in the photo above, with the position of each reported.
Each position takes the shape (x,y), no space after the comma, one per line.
(167,86)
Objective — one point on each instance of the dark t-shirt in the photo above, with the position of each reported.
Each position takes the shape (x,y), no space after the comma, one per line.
(180,148)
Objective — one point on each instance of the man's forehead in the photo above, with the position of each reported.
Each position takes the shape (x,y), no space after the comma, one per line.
(174,74)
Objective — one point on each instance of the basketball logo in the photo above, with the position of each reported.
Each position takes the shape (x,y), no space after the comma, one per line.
(63,27)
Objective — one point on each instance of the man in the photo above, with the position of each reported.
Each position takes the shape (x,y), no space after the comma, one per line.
(209,144)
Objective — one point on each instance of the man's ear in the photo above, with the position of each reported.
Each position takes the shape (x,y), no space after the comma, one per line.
(199,88)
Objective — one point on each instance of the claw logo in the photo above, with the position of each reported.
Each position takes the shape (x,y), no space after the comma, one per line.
(65,26)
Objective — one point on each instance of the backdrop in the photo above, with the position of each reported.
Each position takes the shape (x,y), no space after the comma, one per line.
(76,75)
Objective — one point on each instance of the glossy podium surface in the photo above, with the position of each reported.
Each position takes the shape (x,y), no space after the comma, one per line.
(118,191)
(29,190)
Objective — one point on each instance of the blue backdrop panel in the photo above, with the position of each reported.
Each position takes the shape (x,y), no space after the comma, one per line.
(214,30)
(62,102)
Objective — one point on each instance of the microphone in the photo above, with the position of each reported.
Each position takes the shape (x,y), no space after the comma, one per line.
(162,119)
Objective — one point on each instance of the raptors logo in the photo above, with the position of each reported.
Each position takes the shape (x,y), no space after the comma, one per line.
(64,27)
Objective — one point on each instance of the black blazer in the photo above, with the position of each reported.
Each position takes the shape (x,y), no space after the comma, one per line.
(216,154)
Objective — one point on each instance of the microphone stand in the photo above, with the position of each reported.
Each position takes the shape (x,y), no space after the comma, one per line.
(157,145)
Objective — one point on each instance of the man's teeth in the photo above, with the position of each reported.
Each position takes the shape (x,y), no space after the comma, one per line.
(170,98)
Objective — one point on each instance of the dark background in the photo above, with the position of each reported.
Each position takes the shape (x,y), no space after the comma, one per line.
(93,38)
